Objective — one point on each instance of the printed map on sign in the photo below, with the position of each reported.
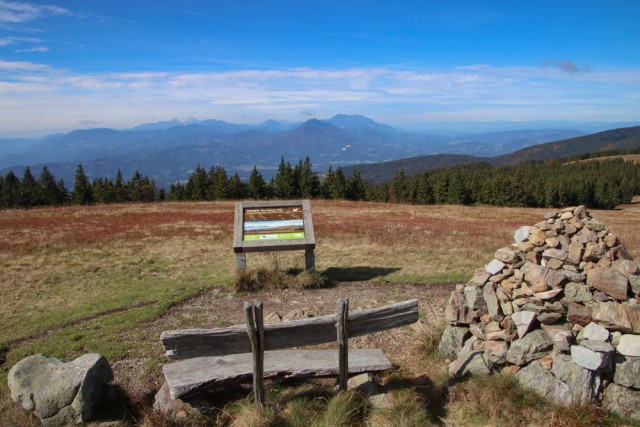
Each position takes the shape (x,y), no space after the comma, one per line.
(277,223)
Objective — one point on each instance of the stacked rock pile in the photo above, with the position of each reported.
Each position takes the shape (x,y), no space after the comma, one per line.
(560,308)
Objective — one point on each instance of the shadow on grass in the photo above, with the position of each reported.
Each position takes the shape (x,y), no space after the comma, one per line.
(353,274)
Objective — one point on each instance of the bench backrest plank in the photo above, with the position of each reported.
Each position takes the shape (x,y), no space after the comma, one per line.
(188,343)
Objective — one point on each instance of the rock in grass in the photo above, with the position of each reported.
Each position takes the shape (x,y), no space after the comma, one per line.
(59,392)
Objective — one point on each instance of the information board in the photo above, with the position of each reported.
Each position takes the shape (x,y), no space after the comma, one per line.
(273,223)
(273,226)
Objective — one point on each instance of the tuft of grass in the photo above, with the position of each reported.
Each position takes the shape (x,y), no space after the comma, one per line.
(408,410)
(346,408)
(245,413)
(151,418)
(263,278)
(495,400)
(13,414)
(433,325)
(584,416)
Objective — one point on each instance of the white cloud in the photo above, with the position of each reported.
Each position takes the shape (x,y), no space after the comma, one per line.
(35,95)
(34,49)
(19,12)
(6,41)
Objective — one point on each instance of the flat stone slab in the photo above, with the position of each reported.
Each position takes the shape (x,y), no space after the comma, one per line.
(200,373)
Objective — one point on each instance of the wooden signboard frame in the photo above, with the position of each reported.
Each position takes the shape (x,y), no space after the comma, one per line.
(284,225)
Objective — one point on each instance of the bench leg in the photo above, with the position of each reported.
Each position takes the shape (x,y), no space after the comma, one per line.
(254,318)
(343,343)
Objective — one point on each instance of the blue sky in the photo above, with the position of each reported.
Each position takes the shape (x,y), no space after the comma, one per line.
(77,64)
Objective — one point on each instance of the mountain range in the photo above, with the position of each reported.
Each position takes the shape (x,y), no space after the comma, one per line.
(169,151)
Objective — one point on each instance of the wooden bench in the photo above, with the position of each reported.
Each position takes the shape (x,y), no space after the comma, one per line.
(213,358)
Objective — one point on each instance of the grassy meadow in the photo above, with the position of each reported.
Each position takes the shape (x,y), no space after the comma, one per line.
(76,279)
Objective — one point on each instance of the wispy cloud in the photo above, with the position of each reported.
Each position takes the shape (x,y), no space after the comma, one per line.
(19,12)
(567,66)
(6,41)
(204,15)
(34,49)
(37,95)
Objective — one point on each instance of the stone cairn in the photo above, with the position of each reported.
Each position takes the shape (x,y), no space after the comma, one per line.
(560,309)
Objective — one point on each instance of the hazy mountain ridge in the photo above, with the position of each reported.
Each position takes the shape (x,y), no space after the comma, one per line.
(169,151)
(615,139)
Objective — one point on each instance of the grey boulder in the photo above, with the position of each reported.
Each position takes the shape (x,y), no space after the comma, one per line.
(59,392)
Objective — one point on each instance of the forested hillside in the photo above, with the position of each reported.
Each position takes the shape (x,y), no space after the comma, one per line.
(555,183)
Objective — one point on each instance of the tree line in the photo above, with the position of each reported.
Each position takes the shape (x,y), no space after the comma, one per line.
(45,190)
(600,184)
(290,182)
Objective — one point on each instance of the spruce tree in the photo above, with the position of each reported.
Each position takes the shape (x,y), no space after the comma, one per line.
(196,188)
(82,194)
(356,187)
(47,188)
(308,180)
(11,190)
(28,189)
(284,182)
(256,187)
(237,188)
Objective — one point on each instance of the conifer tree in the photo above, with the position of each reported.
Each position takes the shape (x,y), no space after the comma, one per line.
(284,183)
(119,190)
(28,189)
(11,190)
(47,188)
(424,190)
(356,187)
(256,187)
(218,184)
(308,180)
(237,188)
(82,194)
(196,188)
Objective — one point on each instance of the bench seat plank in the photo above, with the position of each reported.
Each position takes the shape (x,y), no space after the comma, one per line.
(192,375)
(189,343)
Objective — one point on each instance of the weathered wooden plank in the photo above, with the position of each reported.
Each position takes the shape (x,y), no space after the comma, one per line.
(193,375)
(189,343)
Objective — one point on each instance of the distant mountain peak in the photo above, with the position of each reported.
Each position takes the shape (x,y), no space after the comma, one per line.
(358,122)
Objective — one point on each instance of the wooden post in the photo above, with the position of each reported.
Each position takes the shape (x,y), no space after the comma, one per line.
(258,356)
(310,259)
(342,327)
(241,262)
(258,371)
